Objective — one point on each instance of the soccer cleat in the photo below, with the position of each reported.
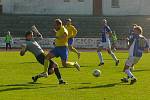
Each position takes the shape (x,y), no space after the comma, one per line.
(117,62)
(34,78)
(125,80)
(101,64)
(77,66)
(133,81)
(62,82)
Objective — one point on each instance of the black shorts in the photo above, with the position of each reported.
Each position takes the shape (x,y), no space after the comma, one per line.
(40,58)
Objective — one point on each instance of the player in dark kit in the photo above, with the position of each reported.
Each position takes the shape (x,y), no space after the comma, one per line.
(32,46)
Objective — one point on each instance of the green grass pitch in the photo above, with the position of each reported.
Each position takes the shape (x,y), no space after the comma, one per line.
(16,73)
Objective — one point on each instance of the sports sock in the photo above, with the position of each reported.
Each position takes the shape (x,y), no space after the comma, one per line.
(70,64)
(100,57)
(46,64)
(113,56)
(128,72)
(75,50)
(57,73)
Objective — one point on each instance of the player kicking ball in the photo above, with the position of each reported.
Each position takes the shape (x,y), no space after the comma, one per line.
(32,46)
(61,46)
(138,45)
(106,33)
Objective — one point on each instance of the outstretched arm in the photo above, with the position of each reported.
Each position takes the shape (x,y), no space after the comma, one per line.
(37,34)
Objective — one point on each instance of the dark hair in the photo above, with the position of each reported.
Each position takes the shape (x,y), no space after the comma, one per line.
(58,21)
(28,33)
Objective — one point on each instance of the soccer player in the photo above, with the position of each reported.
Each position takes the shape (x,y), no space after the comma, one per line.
(106,33)
(32,46)
(72,32)
(8,40)
(61,46)
(114,41)
(138,45)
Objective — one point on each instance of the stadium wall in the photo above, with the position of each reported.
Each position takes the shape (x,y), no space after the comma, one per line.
(89,43)
(82,7)
(126,7)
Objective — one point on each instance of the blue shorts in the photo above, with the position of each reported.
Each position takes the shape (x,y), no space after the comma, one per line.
(70,41)
(60,51)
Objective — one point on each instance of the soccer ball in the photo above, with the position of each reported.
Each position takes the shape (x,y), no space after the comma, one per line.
(96,73)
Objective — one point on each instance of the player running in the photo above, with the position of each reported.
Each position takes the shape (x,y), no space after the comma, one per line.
(138,45)
(72,32)
(61,46)
(106,33)
(32,46)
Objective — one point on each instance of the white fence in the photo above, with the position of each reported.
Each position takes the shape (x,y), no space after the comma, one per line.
(78,43)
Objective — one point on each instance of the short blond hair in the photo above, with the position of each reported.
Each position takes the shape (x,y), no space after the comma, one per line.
(139,28)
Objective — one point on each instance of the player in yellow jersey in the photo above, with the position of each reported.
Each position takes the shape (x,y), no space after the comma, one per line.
(61,46)
(72,32)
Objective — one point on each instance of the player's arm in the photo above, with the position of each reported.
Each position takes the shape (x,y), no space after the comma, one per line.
(23,49)
(37,34)
(147,47)
(74,31)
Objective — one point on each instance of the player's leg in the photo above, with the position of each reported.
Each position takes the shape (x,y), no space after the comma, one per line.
(44,61)
(63,52)
(6,46)
(54,67)
(129,63)
(41,60)
(113,55)
(48,57)
(71,48)
(99,49)
(9,45)
(113,46)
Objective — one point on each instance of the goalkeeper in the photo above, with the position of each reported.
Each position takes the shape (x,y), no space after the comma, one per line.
(32,46)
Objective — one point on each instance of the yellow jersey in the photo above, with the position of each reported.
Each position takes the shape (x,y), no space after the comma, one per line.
(72,31)
(61,41)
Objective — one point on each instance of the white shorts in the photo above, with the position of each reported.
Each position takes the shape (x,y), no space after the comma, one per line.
(105,45)
(132,60)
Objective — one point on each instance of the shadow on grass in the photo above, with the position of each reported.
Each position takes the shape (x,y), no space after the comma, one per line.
(74,67)
(139,70)
(112,59)
(26,86)
(99,86)
(28,62)
(83,83)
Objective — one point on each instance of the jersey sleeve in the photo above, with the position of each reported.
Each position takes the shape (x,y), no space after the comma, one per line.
(147,44)
(108,29)
(74,31)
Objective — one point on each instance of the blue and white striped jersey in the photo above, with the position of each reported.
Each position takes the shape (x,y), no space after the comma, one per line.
(105,36)
(138,45)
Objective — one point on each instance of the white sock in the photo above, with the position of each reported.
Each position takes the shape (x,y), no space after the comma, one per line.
(128,72)
(113,56)
(100,57)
